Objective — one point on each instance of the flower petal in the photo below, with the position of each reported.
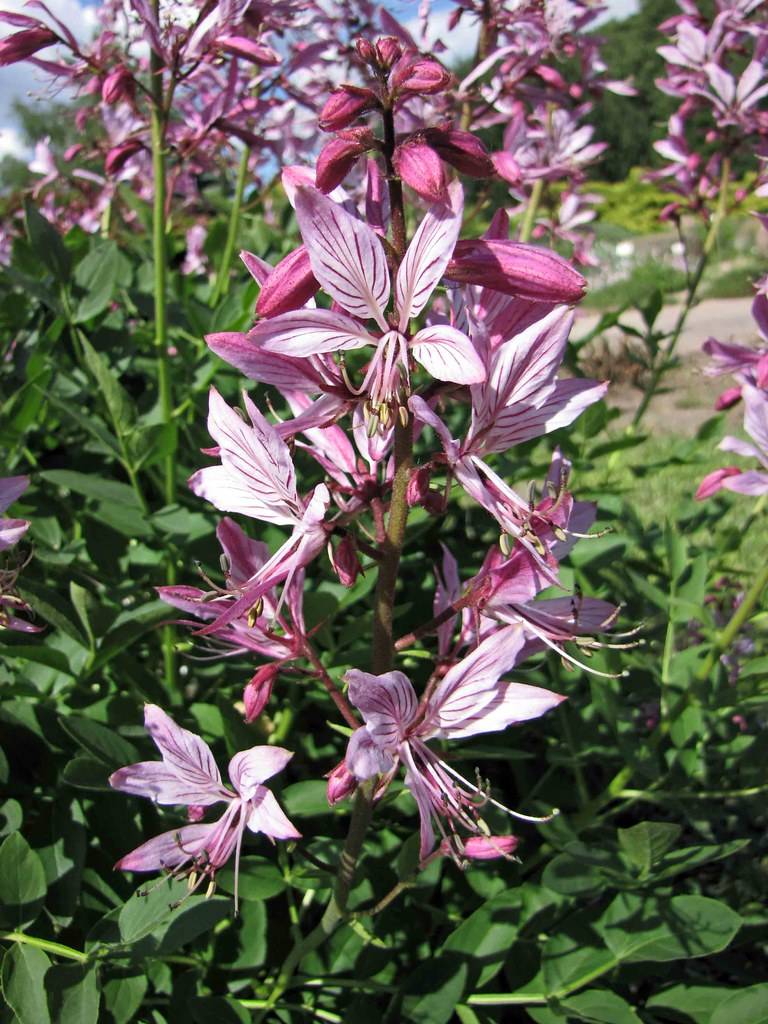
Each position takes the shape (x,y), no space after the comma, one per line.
(387,702)
(169,850)
(267,816)
(186,754)
(249,768)
(308,332)
(364,758)
(347,256)
(164,785)
(11,488)
(448,355)
(427,255)
(471,698)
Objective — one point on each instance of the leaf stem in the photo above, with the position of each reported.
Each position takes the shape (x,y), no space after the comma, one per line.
(46,945)
(529,217)
(728,634)
(222,276)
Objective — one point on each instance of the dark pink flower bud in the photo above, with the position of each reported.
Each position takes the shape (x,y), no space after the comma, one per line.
(516,269)
(727,398)
(551,76)
(118,85)
(249,49)
(258,690)
(71,151)
(713,482)
(420,167)
(118,156)
(481,847)
(341,782)
(289,286)
(23,44)
(365,51)
(195,813)
(417,75)
(461,150)
(417,490)
(346,564)
(337,156)
(575,91)
(344,105)
(388,50)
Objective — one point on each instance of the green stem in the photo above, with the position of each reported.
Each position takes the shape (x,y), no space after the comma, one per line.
(661,362)
(158,124)
(47,946)
(526,227)
(728,634)
(222,276)
(391,549)
(336,910)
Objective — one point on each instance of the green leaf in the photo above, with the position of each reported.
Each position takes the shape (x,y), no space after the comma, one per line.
(159,911)
(123,996)
(259,879)
(582,869)
(693,1003)
(677,550)
(98,276)
(23,980)
(602,1005)
(637,929)
(432,991)
(574,957)
(748,1006)
(39,654)
(486,935)
(306,799)
(46,242)
(128,629)
(104,744)
(22,882)
(92,485)
(86,773)
(690,857)
(218,1010)
(73,993)
(81,600)
(646,843)
(52,609)
(110,389)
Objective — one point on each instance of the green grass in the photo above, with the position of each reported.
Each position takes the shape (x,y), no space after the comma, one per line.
(637,289)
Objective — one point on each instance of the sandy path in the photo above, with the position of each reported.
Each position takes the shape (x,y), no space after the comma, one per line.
(689,395)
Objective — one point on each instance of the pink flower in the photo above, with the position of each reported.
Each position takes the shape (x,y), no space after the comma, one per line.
(469,700)
(188,775)
(753,482)
(516,268)
(257,478)
(344,106)
(348,260)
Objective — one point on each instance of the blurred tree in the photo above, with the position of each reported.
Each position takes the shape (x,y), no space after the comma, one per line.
(631,126)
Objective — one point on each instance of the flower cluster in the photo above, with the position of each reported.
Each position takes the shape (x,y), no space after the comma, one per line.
(11,531)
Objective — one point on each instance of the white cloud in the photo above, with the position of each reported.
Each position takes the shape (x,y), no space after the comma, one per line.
(11,144)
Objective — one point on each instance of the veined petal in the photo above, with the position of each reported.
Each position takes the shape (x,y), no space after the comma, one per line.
(387,702)
(249,768)
(520,422)
(427,256)
(347,256)
(364,757)
(471,698)
(164,784)
(267,816)
(169,850)
(256,462)
(308,332)
(11,531)
(245,556)
(266,367)
(185,753)
(448,355)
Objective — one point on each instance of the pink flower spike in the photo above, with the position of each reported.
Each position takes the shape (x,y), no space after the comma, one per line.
(118,85)
(483,847)
(258,691)
(344,105)
(714,481)
(188,775)
(338,156)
